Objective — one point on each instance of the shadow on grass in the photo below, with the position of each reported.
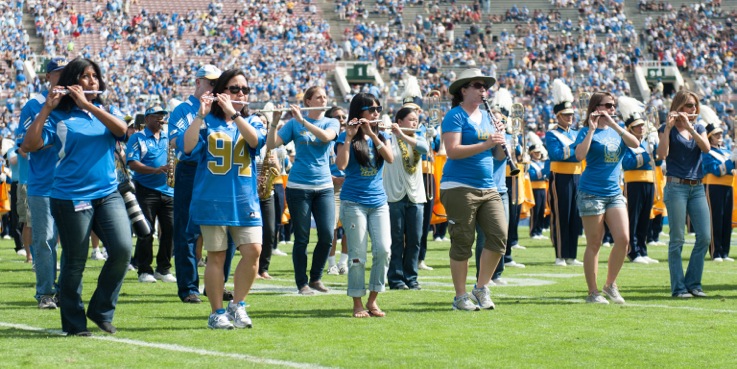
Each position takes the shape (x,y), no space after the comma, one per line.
(307,313)
(26,334)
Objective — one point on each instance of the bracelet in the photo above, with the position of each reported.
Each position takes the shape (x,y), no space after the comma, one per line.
(236,115)
(379,146)
(202,117)
(272,125)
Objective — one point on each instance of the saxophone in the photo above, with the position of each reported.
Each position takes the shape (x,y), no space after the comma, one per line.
(266,177)
(171,160)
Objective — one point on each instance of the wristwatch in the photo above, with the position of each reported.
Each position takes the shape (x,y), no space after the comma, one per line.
(236,115)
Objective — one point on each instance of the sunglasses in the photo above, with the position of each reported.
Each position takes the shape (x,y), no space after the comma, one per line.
(607,105)
(373,109)
(689,106)
(479,85)
(234,89)
(341,117)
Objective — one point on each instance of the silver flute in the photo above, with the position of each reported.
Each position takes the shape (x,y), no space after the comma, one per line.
(213,98)
(66,92)
(675,115)
(290,109)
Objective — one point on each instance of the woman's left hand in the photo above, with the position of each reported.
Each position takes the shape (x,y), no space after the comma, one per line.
(224,102)
(77,94)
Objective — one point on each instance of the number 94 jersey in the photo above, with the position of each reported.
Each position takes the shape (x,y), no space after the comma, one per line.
(224,192)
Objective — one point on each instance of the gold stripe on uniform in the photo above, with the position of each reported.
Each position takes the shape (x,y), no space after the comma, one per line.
(565,167)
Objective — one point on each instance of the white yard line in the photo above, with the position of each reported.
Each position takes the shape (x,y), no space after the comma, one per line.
(175,348)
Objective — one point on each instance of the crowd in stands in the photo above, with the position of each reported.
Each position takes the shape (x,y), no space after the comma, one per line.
(151,54)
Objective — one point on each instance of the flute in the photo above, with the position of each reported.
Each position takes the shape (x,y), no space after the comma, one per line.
(213,98)
(66,92)
(290,109)
(380,123)
(676,115)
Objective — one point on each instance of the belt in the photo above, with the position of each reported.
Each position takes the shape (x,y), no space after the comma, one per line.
(690,182)
(188,163)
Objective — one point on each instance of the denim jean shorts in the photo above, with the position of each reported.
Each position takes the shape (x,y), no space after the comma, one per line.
(589,204)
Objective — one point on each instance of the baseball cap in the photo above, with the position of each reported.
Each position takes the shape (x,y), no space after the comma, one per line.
(55,64)
(208,71)
(157,109)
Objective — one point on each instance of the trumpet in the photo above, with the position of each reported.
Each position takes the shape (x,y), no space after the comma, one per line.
(64,91)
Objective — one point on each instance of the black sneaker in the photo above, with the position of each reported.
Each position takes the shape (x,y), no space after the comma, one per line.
(192,299)
(227,295)
(79,334)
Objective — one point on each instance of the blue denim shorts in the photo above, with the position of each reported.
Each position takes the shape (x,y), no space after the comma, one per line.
(589,204)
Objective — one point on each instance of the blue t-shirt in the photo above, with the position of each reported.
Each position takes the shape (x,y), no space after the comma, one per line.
(42,163)
(684,156)
(179,121)
(364,185)
(603,162)
(500,168)
(146,149)
(334,171)
(15,172)
(224,191)
(474,171)
(86,147)
(311,168)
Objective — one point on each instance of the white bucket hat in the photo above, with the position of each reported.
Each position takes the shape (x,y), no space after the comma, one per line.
(467,76)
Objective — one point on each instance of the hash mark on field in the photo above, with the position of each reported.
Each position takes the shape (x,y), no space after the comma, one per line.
(173,347)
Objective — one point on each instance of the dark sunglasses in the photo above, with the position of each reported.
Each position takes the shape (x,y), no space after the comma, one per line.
(373,109)
(607,105)
(341,117)
(234,89)
(479,85)
(689,106)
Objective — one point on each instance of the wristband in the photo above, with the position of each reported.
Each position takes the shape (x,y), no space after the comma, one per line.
(379,146)
(236,115)
(202,117)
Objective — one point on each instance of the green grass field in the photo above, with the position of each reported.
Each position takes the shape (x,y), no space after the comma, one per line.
(541,320)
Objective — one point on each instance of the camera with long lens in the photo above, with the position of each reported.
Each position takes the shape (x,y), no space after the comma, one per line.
(141,227)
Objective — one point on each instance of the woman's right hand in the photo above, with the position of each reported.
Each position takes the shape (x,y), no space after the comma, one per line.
(54,97)
(593,121)
(352,128)
(206,103)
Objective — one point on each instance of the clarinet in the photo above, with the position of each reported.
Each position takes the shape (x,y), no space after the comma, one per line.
(513,170)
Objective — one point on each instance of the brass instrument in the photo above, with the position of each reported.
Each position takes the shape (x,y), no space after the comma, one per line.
(583,106)
(519,129)
(266,176)
(171,160)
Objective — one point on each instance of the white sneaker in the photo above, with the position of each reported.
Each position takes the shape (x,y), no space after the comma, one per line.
(278,252)
(729,259)
(640,260)
(166,278)
(573,262)
(596,298)
(651,260)
(22,252)
(464,303)
(718,260)
(499,282)
(290,242)
(519,247)
(333,270)
(342,268)
(446,239)
(131,267)
(282,242)
(652,243)
(560,262)
(613,293)
(661,243)
(423,266)
(146,278)
(514,264)
(438,239)
(237,312)
(606,244)
(482,296)
(6,237)
(219,321)
(539,237)
(201,263)
(97,255)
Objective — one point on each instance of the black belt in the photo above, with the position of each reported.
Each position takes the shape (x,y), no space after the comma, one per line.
(690,182)
(189,163)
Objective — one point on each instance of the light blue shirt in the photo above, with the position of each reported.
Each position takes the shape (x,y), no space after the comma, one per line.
(143,147)
(364,185)
(311,168)
(475,171)
(603,162)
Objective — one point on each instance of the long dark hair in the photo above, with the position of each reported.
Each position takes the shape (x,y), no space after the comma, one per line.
(220,87)
(595,100)
(358,143)
(70,76)
(403,113)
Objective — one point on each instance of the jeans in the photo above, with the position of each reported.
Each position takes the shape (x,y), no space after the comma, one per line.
(154,205)
(406,230)
(302,204)
(682,199)
(278,212)
(429,179)
(109,219)
(357,220)
(43,246)
(11,227)
(185,237)
(268,233)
